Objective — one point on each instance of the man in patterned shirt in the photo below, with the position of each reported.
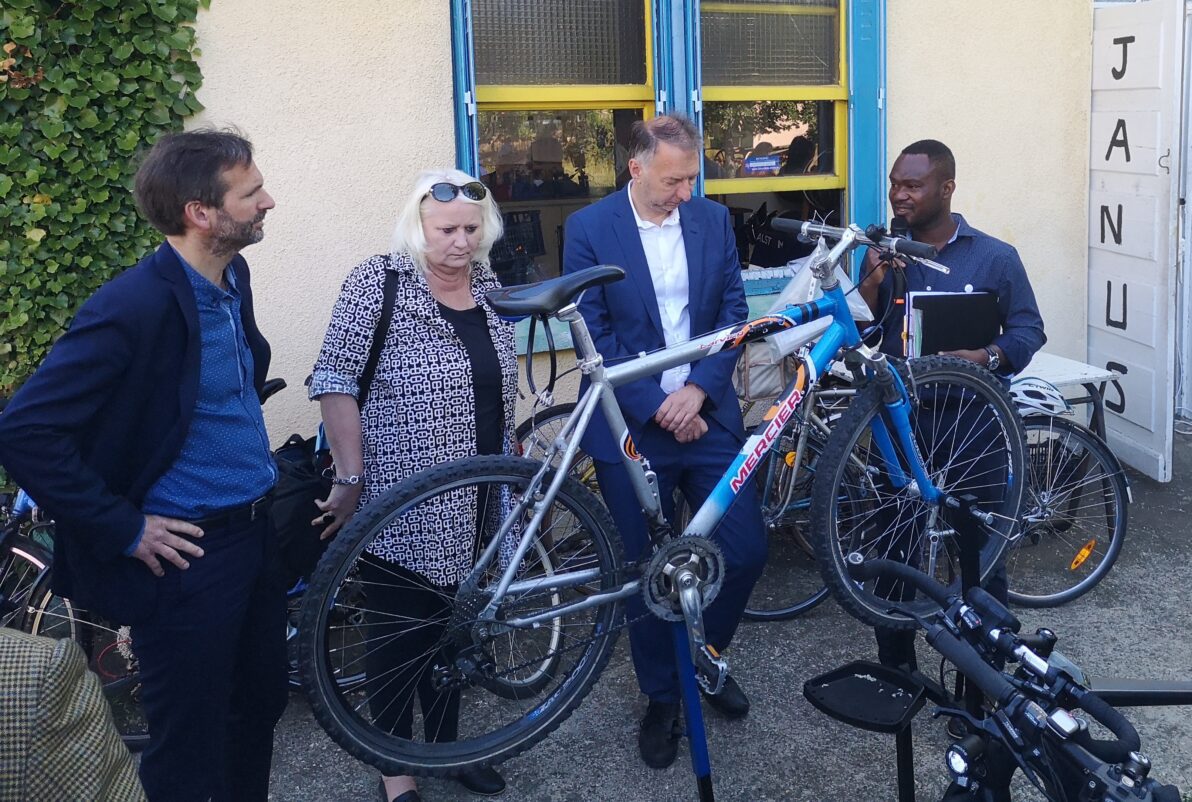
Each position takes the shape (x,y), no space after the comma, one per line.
(142,435)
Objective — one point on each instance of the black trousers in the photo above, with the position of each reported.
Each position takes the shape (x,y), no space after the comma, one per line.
(406,621)
(213,672)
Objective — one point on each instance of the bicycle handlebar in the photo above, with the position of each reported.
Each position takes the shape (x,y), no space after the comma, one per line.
(1111,751)
(900,245)
(996,620)
(862,569)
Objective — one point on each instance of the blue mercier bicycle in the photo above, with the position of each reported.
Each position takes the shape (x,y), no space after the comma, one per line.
(506,656)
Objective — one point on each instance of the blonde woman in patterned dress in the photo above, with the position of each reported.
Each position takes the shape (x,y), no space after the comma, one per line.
(444,388)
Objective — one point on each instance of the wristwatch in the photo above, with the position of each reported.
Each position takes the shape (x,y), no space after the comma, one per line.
(994,362)
(355,479)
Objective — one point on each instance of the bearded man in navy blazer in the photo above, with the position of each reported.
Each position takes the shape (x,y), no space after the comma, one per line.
(683,280)
(142,435)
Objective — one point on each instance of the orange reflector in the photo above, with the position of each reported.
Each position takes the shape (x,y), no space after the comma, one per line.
(712,650)
(790,459)
(1083,554)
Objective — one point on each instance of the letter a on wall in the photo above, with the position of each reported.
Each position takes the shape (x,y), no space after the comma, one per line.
(1133,159)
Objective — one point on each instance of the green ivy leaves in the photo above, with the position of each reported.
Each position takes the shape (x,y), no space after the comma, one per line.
(84,86)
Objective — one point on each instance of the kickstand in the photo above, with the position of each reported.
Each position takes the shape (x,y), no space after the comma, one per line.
(693,711)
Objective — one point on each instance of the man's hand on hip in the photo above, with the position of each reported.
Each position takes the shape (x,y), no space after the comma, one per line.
(680,407)
(166,539)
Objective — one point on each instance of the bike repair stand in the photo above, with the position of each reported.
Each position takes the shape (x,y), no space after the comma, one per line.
(968,528)
(701,765)
(688,638)
(969,537)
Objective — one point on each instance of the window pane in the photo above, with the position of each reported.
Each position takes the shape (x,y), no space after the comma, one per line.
(759,244)
(560,41)
(759,138)
(795,45)
(543,165)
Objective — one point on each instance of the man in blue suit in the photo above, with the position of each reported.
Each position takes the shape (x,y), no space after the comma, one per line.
(142,435)
(683,280)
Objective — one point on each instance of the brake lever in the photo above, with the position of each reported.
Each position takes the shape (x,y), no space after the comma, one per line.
(929,263)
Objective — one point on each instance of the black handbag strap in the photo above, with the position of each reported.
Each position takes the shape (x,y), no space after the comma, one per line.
(388,297)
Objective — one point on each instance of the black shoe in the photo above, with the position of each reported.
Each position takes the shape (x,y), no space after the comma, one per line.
(484,781)
(956,727)
(731,702)
(408,796)
(658,740)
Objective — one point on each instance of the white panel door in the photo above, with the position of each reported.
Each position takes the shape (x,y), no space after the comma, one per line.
(1133,207)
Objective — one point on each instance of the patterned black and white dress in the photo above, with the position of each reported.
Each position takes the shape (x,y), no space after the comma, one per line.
(421,408)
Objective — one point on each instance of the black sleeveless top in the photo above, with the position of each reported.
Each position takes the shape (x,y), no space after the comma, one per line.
(471,326)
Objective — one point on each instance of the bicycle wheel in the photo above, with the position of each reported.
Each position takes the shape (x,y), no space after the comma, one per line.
(971,442)
(349,634)
(1074,518)
(109,654)
(790,584)
(22,569)
(501,683)
(536,433)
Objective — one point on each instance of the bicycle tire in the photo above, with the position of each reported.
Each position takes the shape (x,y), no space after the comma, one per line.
(971,440)
(790,584)
(500,721)
(108,648)
(350,635)
(23,568)
(536,433)
(1075,516)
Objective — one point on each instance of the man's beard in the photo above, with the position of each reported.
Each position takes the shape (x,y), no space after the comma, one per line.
(230,236)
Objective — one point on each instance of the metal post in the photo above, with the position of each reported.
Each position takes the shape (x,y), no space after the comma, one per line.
(701,766)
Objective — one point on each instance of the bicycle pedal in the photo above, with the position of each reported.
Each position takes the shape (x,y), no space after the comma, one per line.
(711,670)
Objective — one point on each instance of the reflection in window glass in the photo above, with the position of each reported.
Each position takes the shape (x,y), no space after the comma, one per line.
(555,154)
(559,41)
(760,138)
(759,244)
(541,166)
(790,44)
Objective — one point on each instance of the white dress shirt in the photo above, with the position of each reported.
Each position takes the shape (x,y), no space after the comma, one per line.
(667,259)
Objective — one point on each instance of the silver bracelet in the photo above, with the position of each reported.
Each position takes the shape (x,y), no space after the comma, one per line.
(347,480)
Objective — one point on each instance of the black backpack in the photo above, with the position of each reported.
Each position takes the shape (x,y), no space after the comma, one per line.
(304,474)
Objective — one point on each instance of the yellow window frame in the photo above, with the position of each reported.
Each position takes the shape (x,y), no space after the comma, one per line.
(838,93)
(542,97)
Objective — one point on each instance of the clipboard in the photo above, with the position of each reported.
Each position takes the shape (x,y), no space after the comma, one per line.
(950,321)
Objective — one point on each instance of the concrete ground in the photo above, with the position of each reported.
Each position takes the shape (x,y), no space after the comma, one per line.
(1134,624)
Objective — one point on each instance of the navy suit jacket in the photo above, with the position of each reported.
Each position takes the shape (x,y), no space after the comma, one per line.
(105,416)
(623,316)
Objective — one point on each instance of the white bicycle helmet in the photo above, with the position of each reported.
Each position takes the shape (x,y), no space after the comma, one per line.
(1033,396)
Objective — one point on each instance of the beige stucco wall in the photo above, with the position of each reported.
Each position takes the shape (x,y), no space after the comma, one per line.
(344,102)
(1006,86)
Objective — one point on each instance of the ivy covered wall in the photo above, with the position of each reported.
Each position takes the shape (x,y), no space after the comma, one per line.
(85,85)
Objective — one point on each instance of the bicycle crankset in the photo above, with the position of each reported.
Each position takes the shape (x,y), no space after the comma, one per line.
(698,555)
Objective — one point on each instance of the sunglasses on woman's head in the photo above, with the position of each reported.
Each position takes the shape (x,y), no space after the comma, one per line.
(445,193)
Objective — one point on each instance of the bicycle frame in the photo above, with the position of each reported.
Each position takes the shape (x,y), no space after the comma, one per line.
(841,334)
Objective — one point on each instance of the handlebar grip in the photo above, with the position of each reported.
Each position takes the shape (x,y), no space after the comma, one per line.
(991,681)
(911,248)
(860,568)
(1115,751)
(787,225)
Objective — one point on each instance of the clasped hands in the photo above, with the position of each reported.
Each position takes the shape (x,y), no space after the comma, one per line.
(679,413)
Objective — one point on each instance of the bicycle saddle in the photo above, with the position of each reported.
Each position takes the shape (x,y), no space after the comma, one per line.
(547,297)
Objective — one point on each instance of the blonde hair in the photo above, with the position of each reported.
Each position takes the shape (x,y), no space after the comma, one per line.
(408,235)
